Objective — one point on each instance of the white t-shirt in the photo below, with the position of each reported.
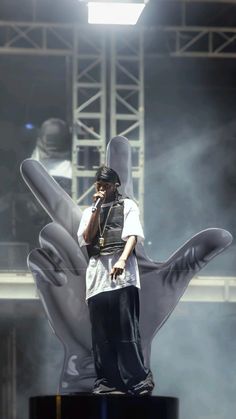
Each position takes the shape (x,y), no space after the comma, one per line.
(97,274)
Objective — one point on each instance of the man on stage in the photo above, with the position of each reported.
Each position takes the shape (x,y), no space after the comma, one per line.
(110,230)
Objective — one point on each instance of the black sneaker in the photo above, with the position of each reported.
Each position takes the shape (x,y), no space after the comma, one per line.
(144,387)
(103,389)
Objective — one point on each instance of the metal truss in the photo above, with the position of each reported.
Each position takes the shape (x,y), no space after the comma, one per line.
(18,286)
(188,41)
(89,111)
(127,101)
(88,51)
(26,38)
(30,38)
(58,39)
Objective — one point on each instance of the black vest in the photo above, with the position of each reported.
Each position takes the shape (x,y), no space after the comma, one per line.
(112,233)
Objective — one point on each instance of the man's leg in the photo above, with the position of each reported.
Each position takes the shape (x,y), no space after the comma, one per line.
(125,306)
(105,355)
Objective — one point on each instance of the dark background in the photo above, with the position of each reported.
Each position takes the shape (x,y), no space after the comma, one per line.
(190,156)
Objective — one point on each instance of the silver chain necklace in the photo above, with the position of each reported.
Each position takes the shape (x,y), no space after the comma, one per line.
(101,240)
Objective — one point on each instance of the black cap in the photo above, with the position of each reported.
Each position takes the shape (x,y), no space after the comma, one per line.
(106,174)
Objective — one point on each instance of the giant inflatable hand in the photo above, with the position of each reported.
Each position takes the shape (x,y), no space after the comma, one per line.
(59,266)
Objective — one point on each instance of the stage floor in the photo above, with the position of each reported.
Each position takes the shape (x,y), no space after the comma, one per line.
(89,406)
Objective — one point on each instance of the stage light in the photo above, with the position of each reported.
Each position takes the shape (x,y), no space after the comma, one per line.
(125,12)
(29,126)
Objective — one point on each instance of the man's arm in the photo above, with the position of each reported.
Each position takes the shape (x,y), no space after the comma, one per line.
(92,227)
(119,266)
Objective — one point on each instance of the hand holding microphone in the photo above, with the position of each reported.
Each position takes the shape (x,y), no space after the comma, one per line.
(98,198)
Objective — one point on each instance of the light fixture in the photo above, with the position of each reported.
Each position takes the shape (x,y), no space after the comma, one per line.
(114,12)
(29,126)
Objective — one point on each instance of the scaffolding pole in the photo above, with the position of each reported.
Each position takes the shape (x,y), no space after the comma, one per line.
(127,101)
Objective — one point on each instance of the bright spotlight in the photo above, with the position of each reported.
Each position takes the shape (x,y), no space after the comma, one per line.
(115,12)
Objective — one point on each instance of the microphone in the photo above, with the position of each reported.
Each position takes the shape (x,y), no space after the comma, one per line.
(95,205)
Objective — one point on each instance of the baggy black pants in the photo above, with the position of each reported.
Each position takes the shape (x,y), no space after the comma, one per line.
(116,340)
